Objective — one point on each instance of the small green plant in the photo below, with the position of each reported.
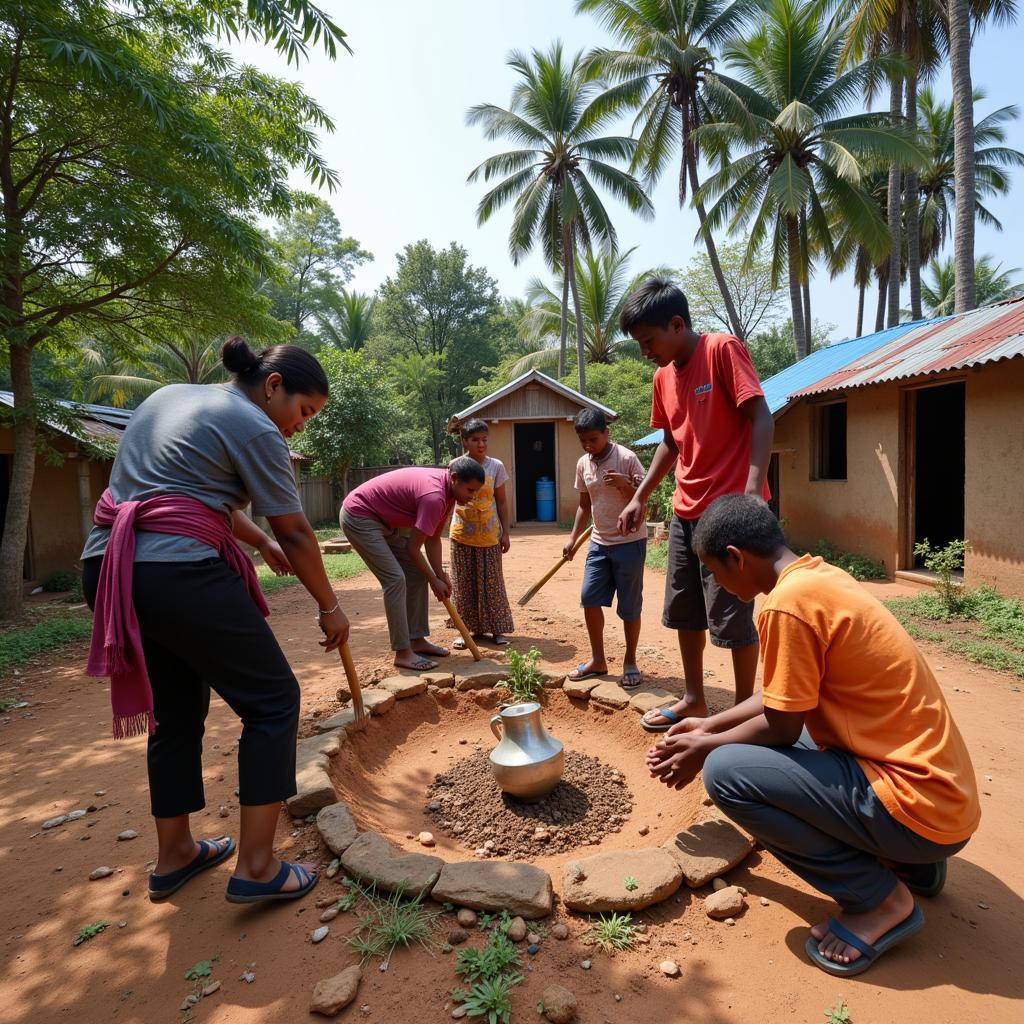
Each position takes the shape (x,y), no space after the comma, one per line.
(524,680)
(201,969)
(393,921)
(612,932)
(58,582)
(497,956)
(89,931)
(490,998)
(25,642)
(860,567)
(838,1014)
(945,562)
(630,883)
(6,703)
(484,921)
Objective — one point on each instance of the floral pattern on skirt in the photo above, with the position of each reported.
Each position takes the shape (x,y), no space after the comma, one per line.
(478,587)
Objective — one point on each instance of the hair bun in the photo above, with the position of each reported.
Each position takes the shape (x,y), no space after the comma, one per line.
(237,357)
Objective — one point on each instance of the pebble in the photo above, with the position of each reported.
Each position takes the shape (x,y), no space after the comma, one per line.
(533,938)
(247,976)
(75,815)
(54,822)
(122,924)
(333,868)
(329,914)
(434,805)
(763,902)
(457,936)
(984,906)
(128,833)
(643,830)
(533,949)
(462,743)
(719,884)
(103,872)
(731,922)
(517,929)
(319,934)
(560,932)
(669,968)
(223,812)
(211,988)
(426,838)
(100,792)
(618,998)
(460,1011)
(585,965)
(466,918)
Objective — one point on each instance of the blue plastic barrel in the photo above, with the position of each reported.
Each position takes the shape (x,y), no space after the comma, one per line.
(546,500)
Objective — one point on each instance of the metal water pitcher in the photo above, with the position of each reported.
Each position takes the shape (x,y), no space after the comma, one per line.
(527,762)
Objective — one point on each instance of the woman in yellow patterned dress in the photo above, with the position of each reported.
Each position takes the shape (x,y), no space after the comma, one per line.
(479,538)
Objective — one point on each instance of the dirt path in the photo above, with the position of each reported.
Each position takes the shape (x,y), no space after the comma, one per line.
(57,756)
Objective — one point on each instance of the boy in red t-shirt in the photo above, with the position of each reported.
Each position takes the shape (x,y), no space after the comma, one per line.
(718,434)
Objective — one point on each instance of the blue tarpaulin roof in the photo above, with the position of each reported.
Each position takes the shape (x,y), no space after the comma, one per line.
(817,366)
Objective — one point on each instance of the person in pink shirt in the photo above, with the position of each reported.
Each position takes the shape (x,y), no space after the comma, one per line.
(395,522)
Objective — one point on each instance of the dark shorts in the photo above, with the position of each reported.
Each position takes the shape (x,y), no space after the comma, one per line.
(615,569)
(693,600)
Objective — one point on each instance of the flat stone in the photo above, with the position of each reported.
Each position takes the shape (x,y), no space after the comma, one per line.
(404,686)
(337,827)
(596,884)
(335,547)
(332,995)
(554,678)
(126,835)
(315,789)
(98,873)
(319,934)
(442,680)
(480,675)
(342,720)
(669,968)
(524,890)
(377,701)
(650,699)
(724,903)
(54,822)
(75,815)
(709,849)
(611,695)
(559,1004)
(371,859)
(580,688)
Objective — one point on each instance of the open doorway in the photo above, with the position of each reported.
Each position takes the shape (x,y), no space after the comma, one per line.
(938,465)
(534,458)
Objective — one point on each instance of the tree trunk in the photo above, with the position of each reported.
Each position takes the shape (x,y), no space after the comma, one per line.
(913,206)
(861,288)
(806,285)
(895,213)
(581,349)
(963,152)
(15,532)
(565,304)
(883,291)
(795,292)
(709,242)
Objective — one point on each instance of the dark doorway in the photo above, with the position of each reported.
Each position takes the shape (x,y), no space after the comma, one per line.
(773,485)
(535,457)
(938,464)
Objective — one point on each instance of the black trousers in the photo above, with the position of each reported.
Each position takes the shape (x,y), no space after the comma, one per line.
(202,631)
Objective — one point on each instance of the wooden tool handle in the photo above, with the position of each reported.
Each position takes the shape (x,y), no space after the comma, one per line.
(532,592)
(353,679)
(466,635)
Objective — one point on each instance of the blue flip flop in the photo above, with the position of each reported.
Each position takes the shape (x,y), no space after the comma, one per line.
(661,727)
(581,675)
(162,886)
(868,953)
(241,890)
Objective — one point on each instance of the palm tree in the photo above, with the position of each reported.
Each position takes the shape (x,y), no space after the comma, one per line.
(992,163)
(991,284)
(801,157)
(351,322)
(669,49)
(187,360)
(550,179)
(604,287)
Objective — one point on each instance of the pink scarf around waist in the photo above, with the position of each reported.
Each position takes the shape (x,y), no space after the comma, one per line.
(116,649)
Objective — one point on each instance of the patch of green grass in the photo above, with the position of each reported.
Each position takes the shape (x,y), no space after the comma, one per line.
(200,969)
(23,643)
(630,883)
(89,931)
(339,567)
(860,567)
(657,556)
(392,921)
(612,932)
(491,998)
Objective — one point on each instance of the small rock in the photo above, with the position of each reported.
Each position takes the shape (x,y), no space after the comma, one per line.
(247,976)
(325,901)
(727,902)
(460,1011)
(54,822)
(763,902)
(559,1004)
(618,998)
(100,792)
(462,743)
(211,988)
(127,834)
(560,932)
(329,914)
(466,918)
(122,924)
(718,885)
(731,922)
(333,868)
(319,934)
(426,839)
(643,830)
(669,968)
(533,938)
(533,949)
(457,936)
(984,906)
(489,845)
(330,995)
(517,929)
(103,872)
(434,805)
(75,815)
(223,812)
(585,964)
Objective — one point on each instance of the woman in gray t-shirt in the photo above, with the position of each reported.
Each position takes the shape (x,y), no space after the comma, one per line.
(210,450)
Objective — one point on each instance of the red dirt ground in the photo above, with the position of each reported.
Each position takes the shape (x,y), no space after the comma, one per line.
(964,967)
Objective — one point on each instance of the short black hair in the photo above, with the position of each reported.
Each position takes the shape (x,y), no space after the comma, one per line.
(466,468)
(654,303)
(740,521)
(589,419)
(473,426)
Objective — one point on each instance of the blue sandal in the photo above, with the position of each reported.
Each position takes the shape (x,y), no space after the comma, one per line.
(162,886)
(868,953)
(241,890)
(666,713)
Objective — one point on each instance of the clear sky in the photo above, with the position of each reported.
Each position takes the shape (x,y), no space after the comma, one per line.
(403,150)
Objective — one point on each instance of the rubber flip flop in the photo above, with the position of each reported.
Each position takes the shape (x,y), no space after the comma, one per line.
(868,953)
(420,665)
(923,879)
(500,640)
(579,675)
(241,890)
(631,680)
(660,726)
(162,886)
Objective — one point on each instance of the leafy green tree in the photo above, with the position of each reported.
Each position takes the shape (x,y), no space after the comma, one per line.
(773,349)
(756,301)
(556,116)
(315,261)
(347,322)
(136,158)
(356,424)
(668,50)
(789,150)
(624,386)
(438,320)
(991,284)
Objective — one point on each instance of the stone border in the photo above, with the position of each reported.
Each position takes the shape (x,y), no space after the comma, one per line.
(591,884)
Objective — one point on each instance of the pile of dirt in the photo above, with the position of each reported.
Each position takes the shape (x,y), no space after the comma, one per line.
(591,800)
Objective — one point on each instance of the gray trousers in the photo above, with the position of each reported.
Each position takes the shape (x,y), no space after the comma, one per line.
(383,549)
(817,813)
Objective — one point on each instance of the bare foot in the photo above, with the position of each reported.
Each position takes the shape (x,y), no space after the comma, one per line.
(688,707)
(424,646)
(870,926)
(180,856)
(591,668)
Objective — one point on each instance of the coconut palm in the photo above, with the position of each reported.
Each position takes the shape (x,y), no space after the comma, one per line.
(551,177)
(789,150)
(668,50)
(351,320)
(604,287)
(991,284)
(992,164)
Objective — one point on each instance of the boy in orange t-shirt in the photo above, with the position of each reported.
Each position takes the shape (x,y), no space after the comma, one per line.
(718,436)
(872,799)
